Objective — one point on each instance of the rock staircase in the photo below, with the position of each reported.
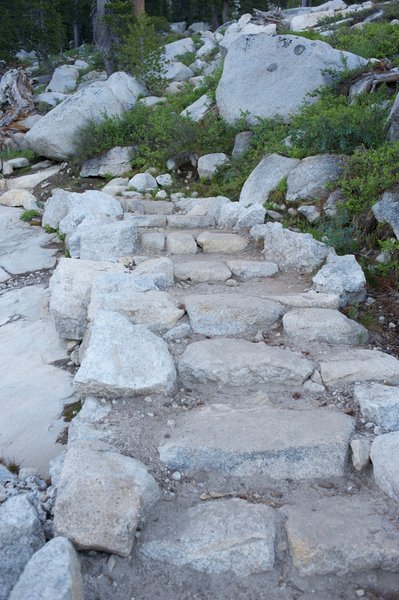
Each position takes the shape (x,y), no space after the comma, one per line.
(231,379)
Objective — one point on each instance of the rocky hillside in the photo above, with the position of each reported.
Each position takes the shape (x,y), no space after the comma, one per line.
(199,313)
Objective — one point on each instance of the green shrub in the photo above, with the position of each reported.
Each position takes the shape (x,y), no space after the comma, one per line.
(141,53)
(9,154)
(368,174)
(374,40)
(332,124)
(28,215)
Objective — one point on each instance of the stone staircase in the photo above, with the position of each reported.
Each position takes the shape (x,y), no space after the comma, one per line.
(232,381)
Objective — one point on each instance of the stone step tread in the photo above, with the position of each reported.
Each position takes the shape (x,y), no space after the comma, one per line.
(260,440)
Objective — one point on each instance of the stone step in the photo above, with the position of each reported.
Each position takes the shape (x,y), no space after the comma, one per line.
(121,359)
(341,535)
(216,537)
(229,243)
(260,440)
(230,314)
(199,271)
(323,325)
(239,363)
(360,365)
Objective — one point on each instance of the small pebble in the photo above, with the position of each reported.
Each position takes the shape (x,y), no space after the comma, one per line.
(176,476)
(232,283)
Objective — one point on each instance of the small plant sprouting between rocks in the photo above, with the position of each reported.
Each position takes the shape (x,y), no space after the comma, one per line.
(29,215)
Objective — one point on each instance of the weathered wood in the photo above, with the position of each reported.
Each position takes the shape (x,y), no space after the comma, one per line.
(16,98)
(368,82)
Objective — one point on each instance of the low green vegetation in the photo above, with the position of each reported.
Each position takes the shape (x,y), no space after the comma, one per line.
(29,215)
(9,154)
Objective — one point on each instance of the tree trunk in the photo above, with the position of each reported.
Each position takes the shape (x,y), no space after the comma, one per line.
(76,35)
(138,7)
(225,11)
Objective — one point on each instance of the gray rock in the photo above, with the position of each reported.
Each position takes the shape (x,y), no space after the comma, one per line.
(151,207)
(384,456)
(19,198)
(212,243)
(360,453)
(190,221)
(179,27)
(51,98)
(359,365)
(30,181)
(179,47)
(323,325)
(116,161)
(181,243)
(159,269)
(379,404)
(164,180)
(70,288)
(143,182)
(230,314)
(386,210)
(242,143)
(103,240)
(265,177)
(153,242)
(177,71)
(341,535)
(120,489)
(148,220)
(232,362)
(63,80)
(151,101)
(216,537)
(248,217)
(294,67)
(21,536)
(250,269)
(229,215)
(66,210)
(393,121)
(198,26)
(261,441)
(180,331)
(134,298)
(53,569)
(55,135)
(209,164)
(210,207)
(18,163)
(122,359)
(310,212)
(330,207)
(290,250)
(5,474)
(341,275)
(309,180)
(201,271)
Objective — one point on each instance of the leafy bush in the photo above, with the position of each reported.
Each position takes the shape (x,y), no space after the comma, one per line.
(333,124)
(141,53)
(374,40)
(159,134)
(368,174)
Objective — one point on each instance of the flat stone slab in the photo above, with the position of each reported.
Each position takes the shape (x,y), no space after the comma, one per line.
(159,269)
(360,365)
(341,535)
(215,537)
(201,271)
(251,269)
(384,456)
(232,362)
(181,243)
(101,497)
(33,391)
(21,536)
(53,569)
(121,293)
(261,440)
(121,359)
(310,299)
(323,325)
(212,243)
(70,288)
(22,247)
(230,314)
(380,404)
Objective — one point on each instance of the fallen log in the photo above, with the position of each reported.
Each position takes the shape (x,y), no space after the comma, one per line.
(16,98)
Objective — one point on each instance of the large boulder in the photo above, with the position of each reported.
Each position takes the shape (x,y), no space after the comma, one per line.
(344,276)
(178,48)
(268,75)
(384,456)
(288,249)
(101,497)
(122,359)
(104,239)
(54,568)
(55,134)
(20,537)
(386,210)
(265,177)
(310,179)
(116,161)
(64,79)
